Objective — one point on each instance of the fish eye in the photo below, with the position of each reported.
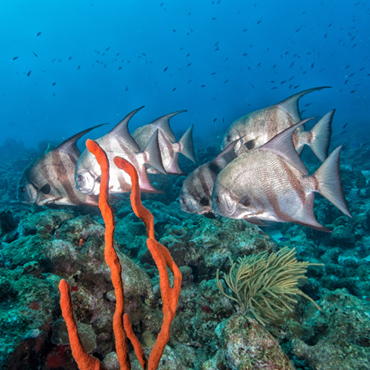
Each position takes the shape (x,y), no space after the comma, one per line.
(204,201)
(183,200)
(80,178)
(228,138)
(217,199)
(22,189)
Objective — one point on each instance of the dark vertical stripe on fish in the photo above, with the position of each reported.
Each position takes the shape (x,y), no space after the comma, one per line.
(294,182)
(47,173)
(282,216)
(62,176)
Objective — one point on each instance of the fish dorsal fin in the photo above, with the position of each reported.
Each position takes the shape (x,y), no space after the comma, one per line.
(282,144)
(153,154)
(121,132)
(163,123)
(49,148)
(291,103)
(71,143)
(226,156)
(307,216)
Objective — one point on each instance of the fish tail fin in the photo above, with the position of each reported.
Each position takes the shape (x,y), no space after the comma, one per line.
(320,136)
(186,144)
(172,162)
(291,103)
(329,182)
(153,154)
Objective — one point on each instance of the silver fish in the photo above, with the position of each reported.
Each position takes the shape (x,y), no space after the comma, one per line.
(196,192)
(169,148)
(119,142)
(257,128)
(50,179)
(272,183)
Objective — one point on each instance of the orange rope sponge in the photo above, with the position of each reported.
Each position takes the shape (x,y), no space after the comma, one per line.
(110,254)
(162,258)
(84,360)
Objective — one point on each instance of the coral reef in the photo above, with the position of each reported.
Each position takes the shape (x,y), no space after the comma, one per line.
(244,344)
(40,246)
(344,339)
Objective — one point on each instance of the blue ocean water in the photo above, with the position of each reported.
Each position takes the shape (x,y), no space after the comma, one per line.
(70,65)
(84,63)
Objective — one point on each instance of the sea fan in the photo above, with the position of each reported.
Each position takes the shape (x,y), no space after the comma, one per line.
(266,285)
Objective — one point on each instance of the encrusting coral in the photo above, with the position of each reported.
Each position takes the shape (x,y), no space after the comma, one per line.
(121,322)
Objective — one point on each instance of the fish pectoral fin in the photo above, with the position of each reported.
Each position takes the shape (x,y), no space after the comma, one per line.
(226,156)
(254,221)
(153,153)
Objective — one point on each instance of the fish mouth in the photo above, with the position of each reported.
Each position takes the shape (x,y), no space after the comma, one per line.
(230,206)
(227,208)
(89,185)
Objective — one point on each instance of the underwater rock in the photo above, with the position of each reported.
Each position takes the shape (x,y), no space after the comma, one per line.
(210,308)
(343,236)
(206,244)
(50,219)
(170,360)
(111,361)
(82,264)
(344,344)
(367,221)
(26,249)
(79,229)
(26,313)
(187,275)
(7,222)
(85,332)
(244,345)
(130,232)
